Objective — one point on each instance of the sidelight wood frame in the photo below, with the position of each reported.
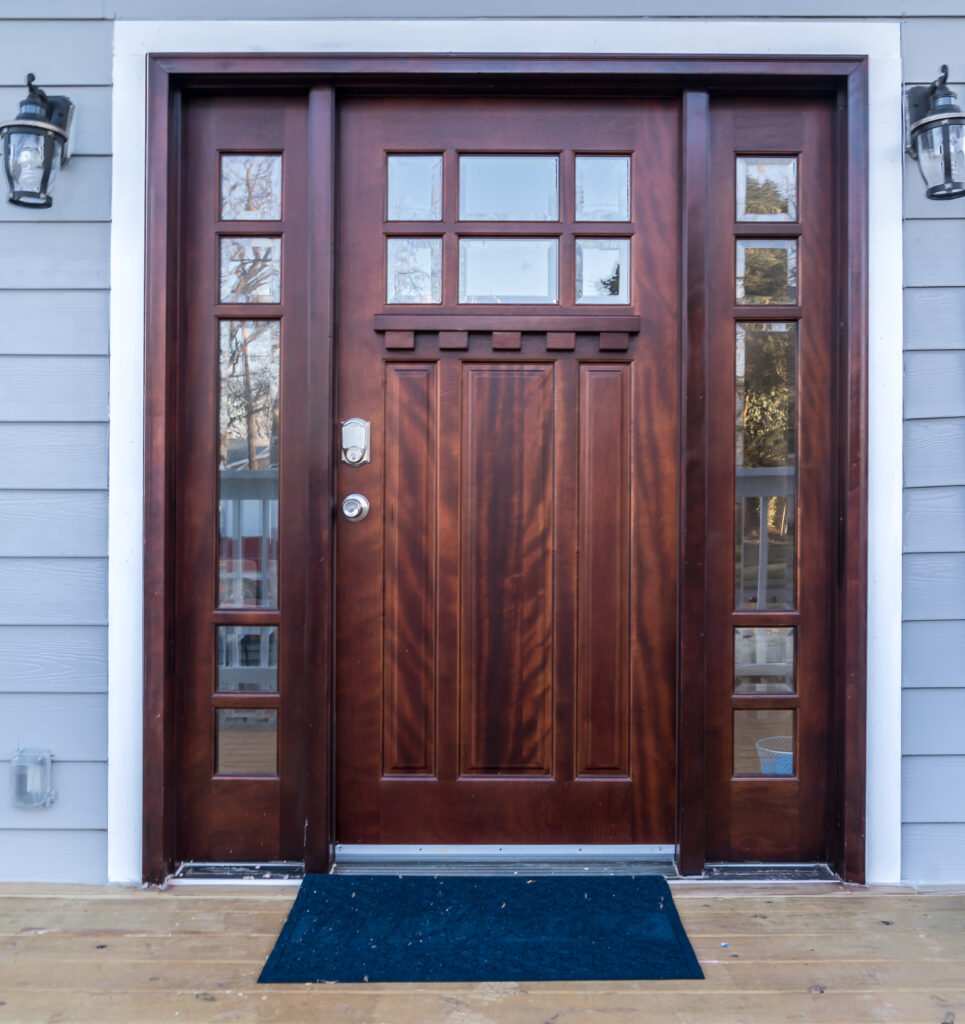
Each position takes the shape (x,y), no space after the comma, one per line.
(695,80)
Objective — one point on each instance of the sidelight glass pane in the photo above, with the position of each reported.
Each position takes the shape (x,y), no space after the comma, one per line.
(766,465)
(764,659)
(766,188)
(250,269)
(414,188)
(414,270)
(516,270)
(764,742)
(250,186)
(509,188)
(603,270)
(602,188)
(248,464)
(766,272)
(247,659)
(246,741)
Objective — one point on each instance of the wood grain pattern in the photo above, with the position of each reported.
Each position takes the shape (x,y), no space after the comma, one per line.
(603,668)
(54,388)
(509,540)
(934,519)
(932,653)
(931,721)
(41,659)
(934,384)
(411,474)
(71,323)
(934,453)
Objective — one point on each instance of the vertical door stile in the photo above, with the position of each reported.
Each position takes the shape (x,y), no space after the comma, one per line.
(691,683)
(320,414)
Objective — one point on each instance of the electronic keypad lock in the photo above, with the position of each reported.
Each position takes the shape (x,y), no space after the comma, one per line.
(355,442)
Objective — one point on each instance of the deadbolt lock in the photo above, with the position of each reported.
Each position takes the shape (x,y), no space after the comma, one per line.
(355,442)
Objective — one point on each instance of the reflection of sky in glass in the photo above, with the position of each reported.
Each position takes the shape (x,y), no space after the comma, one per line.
(603,188)
(508,188)
(602,270)
(414,270)
(767,188)
(415,188)
(508,269)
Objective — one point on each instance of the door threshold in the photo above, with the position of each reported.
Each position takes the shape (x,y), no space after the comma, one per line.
(753,871)
(235,873)
(510,859)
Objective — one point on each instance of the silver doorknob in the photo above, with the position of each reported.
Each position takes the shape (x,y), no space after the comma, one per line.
(355,507)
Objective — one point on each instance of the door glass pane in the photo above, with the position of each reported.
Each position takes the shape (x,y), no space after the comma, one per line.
(248,464)
(764,659)
(766,272)
(521,270)
(415,188)
(414,270)
(764,742)
(247,659)
(603,270)
(247,741)
(766,188)
(509,188)
(250,269)
(766,465)
(602,188)
(250,186)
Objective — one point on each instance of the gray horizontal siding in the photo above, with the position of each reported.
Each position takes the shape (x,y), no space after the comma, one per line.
(80,802)
(68,52)
(933,789)
(61,323)
(934,452)
(933,854)
(933,721)
(82,192)
(53,523)
(53,659)
(36,855)
(924,41)
(72,726)
(54,455)
(934,519)
(55,255)
(933,653)
(935,317)
(934,384)
(53,591)
(934,586)
(53,388)
(934,255)
(91,131)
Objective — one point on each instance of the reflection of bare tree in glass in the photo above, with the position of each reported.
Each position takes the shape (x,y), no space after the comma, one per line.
(254,270)
(249,395)
(251,187)
(412,276)
(611,285)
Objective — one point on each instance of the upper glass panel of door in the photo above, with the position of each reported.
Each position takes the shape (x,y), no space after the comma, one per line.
(505,188)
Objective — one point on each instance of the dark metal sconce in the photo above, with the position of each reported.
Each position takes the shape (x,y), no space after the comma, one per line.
(35,146)
(936,138)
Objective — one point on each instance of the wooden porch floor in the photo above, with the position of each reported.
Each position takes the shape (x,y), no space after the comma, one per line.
(822,953)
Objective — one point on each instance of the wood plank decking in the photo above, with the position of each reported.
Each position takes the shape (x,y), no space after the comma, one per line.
(822,953)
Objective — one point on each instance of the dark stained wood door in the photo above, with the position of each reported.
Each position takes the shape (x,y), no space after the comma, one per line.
(506,613)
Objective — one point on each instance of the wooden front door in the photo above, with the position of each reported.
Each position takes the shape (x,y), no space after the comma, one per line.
(590,346)
(505,615)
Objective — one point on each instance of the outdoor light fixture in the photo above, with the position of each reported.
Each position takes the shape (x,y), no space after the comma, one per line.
(30,778)
(35,146)
(937,138)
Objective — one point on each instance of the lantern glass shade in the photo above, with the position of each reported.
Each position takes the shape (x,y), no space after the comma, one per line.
(31,158)
(941,157)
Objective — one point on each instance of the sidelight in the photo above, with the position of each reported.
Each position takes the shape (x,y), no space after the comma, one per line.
(766,272)
(250,186)
(767,188)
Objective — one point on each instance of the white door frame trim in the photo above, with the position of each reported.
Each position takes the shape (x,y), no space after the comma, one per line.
(134,40)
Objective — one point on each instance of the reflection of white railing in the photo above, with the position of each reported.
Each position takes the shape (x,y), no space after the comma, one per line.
(248,517)
(763,483)
(247,659)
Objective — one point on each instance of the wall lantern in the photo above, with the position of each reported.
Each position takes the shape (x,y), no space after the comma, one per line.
(937,138)
(35,146)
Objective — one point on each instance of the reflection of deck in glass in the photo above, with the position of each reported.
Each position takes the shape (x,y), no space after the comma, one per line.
(765,537)
(248,531)
(247,742)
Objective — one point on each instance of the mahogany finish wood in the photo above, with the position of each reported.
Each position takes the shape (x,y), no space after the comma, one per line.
(506,639)
(171,77)
(771,818)
(226,817)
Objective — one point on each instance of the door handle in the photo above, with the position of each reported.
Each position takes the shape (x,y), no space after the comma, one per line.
(355,507)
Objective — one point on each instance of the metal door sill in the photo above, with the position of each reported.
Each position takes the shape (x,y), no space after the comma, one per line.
(765,872)
(249,873)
